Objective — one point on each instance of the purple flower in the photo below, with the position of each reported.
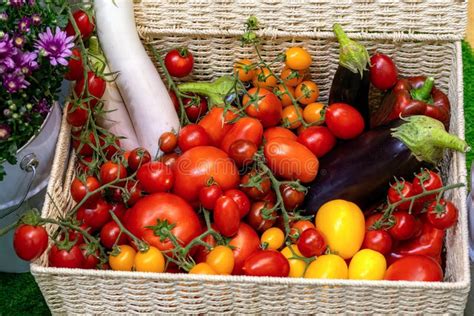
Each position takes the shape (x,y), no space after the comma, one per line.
(26,62)
(7,51)
(31,2)
(5,131)
(17,3)
(57,47)
(18,40)
(3,16)
(24,25)
(36,19)
(42,107)
(14,82)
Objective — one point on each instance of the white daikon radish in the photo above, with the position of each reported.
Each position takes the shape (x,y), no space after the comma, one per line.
(146,97)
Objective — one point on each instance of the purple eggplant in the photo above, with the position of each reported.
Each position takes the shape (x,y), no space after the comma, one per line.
(360,170)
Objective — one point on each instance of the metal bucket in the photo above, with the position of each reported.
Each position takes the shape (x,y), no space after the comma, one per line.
(26,181)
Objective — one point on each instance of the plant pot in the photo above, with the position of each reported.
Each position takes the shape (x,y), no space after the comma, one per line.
(22,185)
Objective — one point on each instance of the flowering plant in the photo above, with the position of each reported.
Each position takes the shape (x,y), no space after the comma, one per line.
(34,53)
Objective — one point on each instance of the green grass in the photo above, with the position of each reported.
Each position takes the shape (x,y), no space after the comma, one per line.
(19,294)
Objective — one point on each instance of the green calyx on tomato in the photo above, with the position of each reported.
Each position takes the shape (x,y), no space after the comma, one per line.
(162,229)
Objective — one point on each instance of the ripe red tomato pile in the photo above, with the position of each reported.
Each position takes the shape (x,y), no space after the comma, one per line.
(223,195)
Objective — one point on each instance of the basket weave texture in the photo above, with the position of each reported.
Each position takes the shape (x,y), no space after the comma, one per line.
(426,45)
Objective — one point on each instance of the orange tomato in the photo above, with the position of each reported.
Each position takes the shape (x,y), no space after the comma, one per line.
(264,105)
(263,78)
(151,260)
(313,112)
(297,58)
(307,92)
(217,124)
(221,259)
(290,116)
(283,95)
(244,69)
(277,132)
(124,260)
(291,160)
(202,268)
(292,77)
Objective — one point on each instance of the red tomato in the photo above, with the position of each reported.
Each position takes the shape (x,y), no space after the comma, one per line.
(110,145)
(406,190)
(292,198)
(62,258)
(195,107)
(91,260)
(414,268)
(261,217)
(75,235)
(75,69)
(109,235)
(202,251)
(299,227)
(429,180)
(135,192)
(318,139)
(378,240)
(112,172)
(241,199)
(217,123)
(369,221)
(245,128)
(84,164)
(226,216)
(255,192)
(242,151)
(196,166)
(344,121)
(311,243)
(179,62)
(77,115)
(277,132)
(96,86)
(30,241)
(191,136)
(209,195)
(443,215)
(169,159)
(158,209)
(263,105)
(119,209)
(168,142)
(404,227)
(383,72)
(291,160)
(137,158)
(267,263)
(96,215)
(82,144)
(84,24)
(80,188)
(155,176)
(244,244)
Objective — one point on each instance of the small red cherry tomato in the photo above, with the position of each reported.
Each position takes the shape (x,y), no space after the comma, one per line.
(399,190)
(442,215)
(109,235)
(195,107)
(241,199)
(429,180)
(209,195)
(226,216)
(84,23)
(378,240)
(30,241)
(261,216)
(63,258)
(267,263)
(112,172)
(405,226)
(383,72)
(242,152)
(95,216)
(138,157)
(318,139)
(192,135)
(179,62)
(311,243)
(155,176)
(344,121)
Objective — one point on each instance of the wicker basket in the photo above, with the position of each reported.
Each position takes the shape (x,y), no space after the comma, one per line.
(422,37)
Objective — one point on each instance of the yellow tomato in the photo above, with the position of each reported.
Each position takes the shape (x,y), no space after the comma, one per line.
(290,116)
(221,260)
(312,112)
(244,69)
(151,260)
(283,95)
(307,92)
(327,267)
(297,266)
(273,237)
(263,78)
(124,260)
(367,264)
(292,77)
(342,223)
(202,268)
(297,58)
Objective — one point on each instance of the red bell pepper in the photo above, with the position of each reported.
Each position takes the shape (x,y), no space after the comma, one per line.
(413,96)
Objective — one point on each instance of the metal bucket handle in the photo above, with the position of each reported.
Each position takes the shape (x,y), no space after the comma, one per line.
(29,163)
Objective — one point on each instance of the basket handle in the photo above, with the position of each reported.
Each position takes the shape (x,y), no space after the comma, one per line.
(29,163)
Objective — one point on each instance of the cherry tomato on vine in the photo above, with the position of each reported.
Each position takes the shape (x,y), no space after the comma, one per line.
(91,260)
(405,226)
(84,143)
(179,62)
(264,105)
(344,121)
(267,263)
(327,267)
(383,72)
(442,215)
(221,260)
(318,139)
(30,242)
(292,116)
(241,199)
(193,135)
(261,216)
(261,187)
(297,58)
(307,92)
(168,142)
(202,268)
(124,260)
(94,215)
(169,160)
(195,107)
(110,145)
(399,190)
(81,187)
(242,152)
(299,227)
(96,86)
(297,266)
(311,243)
(63,258)
(75,69)
(263,78)
(378,240)
(77,115)
(226,216)
(109,235)
(112,172)
(292,77)
(415,268)
(312,113)
(151,260)
(155,176)
(283,95)
(203,251)
(292,198)
(75,235)
(84,23)
(244,69)
(137,158)
(209,195)
(273,238)
(429,180)
(243,244)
